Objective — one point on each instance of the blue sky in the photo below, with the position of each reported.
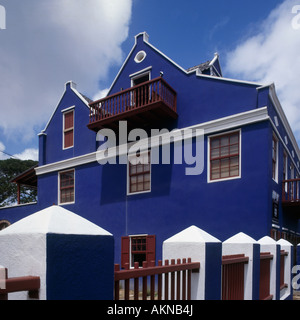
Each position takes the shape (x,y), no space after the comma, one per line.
(47,43)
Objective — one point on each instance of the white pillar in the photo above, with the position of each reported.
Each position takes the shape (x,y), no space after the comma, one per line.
(287,292)
(201,247)
(243,244)
(267,244)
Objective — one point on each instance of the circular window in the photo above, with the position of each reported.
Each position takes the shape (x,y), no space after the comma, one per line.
(140,56)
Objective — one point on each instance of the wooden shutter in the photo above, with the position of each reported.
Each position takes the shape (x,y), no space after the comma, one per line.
(125,242)
(150,254)
(68,129)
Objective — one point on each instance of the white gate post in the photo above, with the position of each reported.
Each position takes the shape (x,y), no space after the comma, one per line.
(201,247)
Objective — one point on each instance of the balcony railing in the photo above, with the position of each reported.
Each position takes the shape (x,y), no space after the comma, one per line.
(134,104)
(291,192)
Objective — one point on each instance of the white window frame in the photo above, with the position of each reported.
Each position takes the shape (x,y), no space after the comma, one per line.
(128,176)
(130,248)
(65,203)
(64,112)
(277,152)
(240,156)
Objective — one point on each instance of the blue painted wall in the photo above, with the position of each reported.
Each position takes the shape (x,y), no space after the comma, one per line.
(80,267)
(176,201)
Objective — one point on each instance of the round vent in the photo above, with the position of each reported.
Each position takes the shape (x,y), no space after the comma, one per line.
(140,56)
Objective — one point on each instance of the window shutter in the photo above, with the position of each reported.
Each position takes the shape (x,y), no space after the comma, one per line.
(150,255)
(124,251)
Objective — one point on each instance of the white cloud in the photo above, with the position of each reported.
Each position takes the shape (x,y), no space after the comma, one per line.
(28,154)
(100,94)
(272,55)
(47,43)
(3,156)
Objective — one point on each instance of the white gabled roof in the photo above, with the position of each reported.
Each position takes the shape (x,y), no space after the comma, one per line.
(57,220)
(73,88)
(146,40)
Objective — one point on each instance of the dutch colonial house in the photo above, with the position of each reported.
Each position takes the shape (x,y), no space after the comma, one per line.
(242,173)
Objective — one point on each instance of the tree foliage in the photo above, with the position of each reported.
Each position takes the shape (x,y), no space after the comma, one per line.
(9,169)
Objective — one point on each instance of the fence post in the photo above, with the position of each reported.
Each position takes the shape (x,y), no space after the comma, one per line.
(243,244)
(267,244)
(73,257)
(201,247)
(286,291)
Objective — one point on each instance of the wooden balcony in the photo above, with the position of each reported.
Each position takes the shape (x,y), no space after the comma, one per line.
(291,196)
(147,104)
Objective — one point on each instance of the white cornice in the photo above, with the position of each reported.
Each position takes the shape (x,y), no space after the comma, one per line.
(209,127)
(279,109)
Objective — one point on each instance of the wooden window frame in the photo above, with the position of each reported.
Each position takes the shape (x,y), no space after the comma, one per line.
(60,188)
(131,174)
(220,158)
(68,130)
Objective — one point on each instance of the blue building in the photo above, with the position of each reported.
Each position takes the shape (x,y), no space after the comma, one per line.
(211,151)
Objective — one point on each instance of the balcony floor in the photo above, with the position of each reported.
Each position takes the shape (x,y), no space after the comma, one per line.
(153,114)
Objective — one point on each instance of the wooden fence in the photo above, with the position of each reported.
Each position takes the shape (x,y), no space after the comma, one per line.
(167,273)
(19,284)
(265,276)
(233,267)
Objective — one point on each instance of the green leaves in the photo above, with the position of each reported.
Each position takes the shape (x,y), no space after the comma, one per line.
(9,169)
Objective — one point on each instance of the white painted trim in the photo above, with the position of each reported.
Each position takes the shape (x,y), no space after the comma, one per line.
(18,205)
(128,182)
(142,52)
(63,128)
(222,124)
(68,109)
(146,40)
(240,156)
(58,188)
(278,136)
(139,73)
(75,91)
(282,116)
(277,152)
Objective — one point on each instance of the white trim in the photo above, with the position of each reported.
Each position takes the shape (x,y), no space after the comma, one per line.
(240,156)
(222,124)
(146,40)
(63,128)
(130,246)
(274,137)
(58,188)
(68,109)
(18,205)
(282,116)
(128,182)
(138,73)
(283,144)
(137,59)
(72,86)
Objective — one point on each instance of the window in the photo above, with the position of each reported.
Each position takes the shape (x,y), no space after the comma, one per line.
(224,156)
(66,187)
(139,175)
(274,158)
(68,124)
(285,170)
(137,248)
